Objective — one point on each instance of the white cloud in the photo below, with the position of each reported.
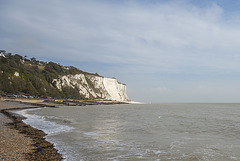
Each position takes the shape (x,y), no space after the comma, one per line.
(159,38)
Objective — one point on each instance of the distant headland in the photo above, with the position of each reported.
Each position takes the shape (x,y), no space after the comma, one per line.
(31,78)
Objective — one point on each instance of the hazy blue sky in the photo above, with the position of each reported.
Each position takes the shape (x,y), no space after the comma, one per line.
(165,51)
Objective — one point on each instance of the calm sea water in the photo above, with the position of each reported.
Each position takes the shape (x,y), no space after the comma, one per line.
(142,132)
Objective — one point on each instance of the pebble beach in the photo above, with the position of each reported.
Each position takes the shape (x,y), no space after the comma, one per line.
(19,141)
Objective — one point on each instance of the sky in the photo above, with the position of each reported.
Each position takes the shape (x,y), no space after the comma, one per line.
(163,50)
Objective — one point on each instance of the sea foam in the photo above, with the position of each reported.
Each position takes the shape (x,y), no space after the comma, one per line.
(51,129)
(39,122)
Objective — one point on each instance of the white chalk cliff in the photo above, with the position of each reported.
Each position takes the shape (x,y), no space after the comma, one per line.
(92,86)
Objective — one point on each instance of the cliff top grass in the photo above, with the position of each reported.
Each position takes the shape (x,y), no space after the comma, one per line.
(23,76)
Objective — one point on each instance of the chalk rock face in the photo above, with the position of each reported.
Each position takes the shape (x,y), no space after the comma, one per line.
(115,89)
(92,86)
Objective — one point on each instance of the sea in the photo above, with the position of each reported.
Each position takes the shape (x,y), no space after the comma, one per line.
(144,132)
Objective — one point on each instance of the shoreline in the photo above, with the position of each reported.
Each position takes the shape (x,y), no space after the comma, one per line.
(40,149)
(43,150)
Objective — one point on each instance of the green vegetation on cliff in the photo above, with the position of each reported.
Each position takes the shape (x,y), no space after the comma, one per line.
(22,76)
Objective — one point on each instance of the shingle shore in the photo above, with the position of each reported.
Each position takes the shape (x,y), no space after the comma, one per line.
(13,145)
(19,141)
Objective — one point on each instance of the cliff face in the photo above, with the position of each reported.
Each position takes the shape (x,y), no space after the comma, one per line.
(116,90)
(22,76)
(91,86)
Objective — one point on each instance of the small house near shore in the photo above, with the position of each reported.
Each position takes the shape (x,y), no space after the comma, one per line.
(2,53)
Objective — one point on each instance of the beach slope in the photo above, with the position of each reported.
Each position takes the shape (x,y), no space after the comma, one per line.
(19,141)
